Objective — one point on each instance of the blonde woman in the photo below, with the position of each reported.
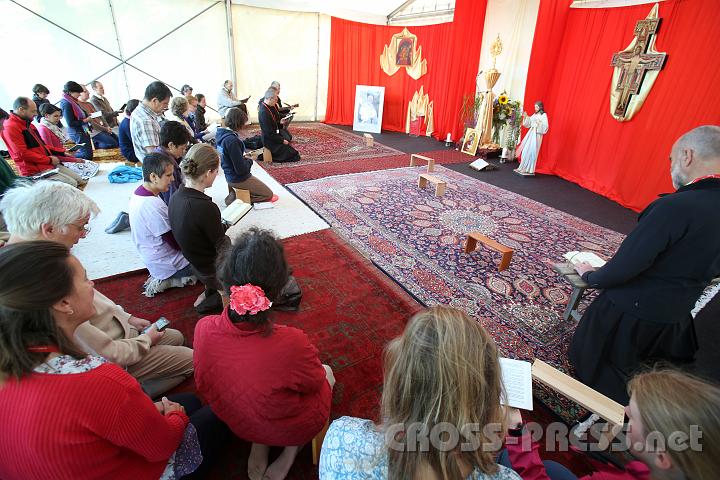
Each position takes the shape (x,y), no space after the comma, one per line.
(673,432)
(442,374)
(196,224)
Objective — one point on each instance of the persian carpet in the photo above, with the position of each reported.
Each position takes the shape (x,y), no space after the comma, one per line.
(349,309)
(417,239)
(302,172)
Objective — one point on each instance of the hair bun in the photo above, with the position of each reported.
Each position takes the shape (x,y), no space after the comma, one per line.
(189,166)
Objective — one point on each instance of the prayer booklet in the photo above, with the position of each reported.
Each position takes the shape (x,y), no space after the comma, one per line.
(96,114)
(517,378)
(234,212)
(589,257)
(481,164)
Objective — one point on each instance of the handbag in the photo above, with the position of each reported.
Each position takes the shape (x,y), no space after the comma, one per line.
(290,296)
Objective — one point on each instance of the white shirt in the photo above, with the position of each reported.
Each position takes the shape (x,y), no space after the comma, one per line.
(148,222)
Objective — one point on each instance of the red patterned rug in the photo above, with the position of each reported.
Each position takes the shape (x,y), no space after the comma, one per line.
(311,172)
(349,309)
(417,239)
(321,143)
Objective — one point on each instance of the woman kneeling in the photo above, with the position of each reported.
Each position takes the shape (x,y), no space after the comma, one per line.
(264,380)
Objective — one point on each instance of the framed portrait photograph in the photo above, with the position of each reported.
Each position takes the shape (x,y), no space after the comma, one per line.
(368,108)
(470,142)
(405,50)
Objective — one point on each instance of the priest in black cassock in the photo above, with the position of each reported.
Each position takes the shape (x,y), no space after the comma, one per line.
(271,125)
(655,278)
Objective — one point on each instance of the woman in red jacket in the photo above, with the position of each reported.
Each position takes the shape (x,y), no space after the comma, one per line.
(265,381)
(673,432)
(65,415)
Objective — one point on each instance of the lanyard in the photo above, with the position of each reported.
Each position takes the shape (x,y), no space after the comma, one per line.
(277,130)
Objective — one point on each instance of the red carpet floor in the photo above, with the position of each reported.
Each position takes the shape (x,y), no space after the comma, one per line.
(350,310)
(314,171)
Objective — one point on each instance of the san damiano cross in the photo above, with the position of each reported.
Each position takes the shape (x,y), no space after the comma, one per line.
(633,64)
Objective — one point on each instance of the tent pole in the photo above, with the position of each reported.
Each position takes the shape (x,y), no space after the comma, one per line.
(231,41)
(120,50)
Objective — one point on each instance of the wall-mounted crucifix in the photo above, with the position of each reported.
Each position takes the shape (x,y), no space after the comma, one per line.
(636,69)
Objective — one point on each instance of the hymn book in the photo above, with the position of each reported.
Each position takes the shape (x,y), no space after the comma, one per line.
(517,379)
(589,257)
(234,212)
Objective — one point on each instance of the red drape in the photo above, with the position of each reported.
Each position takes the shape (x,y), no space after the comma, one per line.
(452,51)
(570,71)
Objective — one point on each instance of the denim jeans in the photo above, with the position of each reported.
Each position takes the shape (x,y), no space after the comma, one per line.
(104,140)
(81,136)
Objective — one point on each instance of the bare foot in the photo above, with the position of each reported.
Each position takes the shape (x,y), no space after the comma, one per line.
(279,469)
(257,462)
(199,300)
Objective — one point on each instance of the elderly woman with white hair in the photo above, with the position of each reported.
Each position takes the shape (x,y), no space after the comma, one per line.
(56,211)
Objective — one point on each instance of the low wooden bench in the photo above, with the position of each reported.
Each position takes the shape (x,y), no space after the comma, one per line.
(369,140)
(267,155)
(567,271)
(419,158)
(440,185)
(471,244)
(606,408)
(242,195)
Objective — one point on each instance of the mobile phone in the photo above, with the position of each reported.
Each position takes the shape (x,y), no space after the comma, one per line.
(160,325)
(75,148)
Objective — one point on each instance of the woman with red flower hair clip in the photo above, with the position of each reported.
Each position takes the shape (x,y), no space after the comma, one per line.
(265,381)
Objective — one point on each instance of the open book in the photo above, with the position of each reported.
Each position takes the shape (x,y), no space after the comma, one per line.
(234,212)
(589,257)
(481,164)
(517,378)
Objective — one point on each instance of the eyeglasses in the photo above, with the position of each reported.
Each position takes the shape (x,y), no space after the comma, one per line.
(84,229)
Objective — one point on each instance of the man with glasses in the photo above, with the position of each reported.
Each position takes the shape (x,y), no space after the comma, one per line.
(174,142)
(56,211)
(145,120)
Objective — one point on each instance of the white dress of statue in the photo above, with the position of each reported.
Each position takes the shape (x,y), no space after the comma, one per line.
(529,148)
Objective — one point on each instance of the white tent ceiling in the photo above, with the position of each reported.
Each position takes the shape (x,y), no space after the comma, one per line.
(368,11)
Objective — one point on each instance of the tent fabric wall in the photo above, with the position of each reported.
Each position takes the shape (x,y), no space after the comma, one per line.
(570,71)
(290,47)
(36,51)
(514,21)
(452,51)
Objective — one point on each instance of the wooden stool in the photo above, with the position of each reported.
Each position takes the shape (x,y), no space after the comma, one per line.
(471,245)
(579,285)
(267,155)
(440,185)
(317,443)
(420,158)
(369,141)
(242,195)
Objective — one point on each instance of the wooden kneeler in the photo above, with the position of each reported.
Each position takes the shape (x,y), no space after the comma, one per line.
(317,443)
(415,158)
(471,244)
(242,195)
(606,408)
(440,185)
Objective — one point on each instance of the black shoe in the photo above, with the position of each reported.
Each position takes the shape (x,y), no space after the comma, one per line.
(211,304)
(122,222)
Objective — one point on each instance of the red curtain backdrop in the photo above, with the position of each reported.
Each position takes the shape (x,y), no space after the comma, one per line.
(570,71)
(452,51)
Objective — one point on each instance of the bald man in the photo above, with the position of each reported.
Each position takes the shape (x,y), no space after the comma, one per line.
(656,276)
